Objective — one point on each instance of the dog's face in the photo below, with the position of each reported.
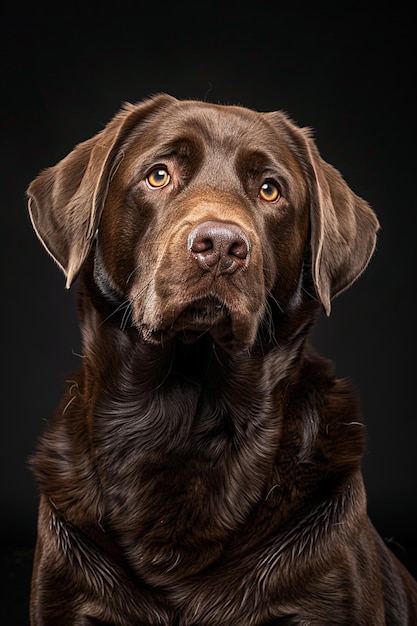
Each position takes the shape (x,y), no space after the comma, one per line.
(200,215)
(205,215)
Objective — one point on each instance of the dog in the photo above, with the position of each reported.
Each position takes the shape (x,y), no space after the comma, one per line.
(204,465)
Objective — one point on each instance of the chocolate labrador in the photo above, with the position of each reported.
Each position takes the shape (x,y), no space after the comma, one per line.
(204,466)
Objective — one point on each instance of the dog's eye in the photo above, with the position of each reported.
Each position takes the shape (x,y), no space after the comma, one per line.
(158,178)
(269,191)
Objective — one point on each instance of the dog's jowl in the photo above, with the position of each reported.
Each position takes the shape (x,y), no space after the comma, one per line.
(204,465)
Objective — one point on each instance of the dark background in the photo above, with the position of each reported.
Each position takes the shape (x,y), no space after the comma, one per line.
(349,74)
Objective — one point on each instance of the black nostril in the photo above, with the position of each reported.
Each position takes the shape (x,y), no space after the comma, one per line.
(219,247)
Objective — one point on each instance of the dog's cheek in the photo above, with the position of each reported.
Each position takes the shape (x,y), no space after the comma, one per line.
(288,238)
(158,281)
(121,232)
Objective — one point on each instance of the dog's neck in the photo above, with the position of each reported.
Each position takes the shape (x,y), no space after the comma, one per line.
(161,418)
(183,412)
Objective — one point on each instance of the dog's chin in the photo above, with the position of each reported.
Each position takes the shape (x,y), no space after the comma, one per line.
(207,317)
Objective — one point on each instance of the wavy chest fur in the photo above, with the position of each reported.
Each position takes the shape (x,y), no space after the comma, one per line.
(183,455)
(183,460)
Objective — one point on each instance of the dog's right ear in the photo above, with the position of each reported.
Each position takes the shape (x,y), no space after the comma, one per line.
(66,201)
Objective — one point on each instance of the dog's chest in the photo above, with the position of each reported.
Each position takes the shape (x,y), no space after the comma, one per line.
(179,477)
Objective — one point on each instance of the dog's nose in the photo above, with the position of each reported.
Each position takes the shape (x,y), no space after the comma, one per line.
(218,247)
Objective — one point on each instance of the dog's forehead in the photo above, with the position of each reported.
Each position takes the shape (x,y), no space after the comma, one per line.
(220,120)
(220,126)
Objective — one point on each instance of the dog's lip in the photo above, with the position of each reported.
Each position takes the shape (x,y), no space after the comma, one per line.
(203,314)
(206,307)
(199,316)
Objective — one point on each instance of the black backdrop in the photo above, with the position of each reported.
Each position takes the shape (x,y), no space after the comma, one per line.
(348,74)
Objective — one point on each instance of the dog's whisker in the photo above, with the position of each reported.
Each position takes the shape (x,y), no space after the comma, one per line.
(132,273)
(126,316)
(310,295)
(267,330)
(115,311)
(273,298)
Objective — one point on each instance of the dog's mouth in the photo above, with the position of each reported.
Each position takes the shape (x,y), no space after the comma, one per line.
(206,315)
(203,316)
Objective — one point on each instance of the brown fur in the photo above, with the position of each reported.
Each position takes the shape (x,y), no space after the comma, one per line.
(204,466)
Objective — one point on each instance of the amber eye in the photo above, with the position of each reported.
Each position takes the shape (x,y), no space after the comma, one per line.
(158,178)
(269,192)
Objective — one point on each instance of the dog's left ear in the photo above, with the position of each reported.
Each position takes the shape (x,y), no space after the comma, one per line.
(343,229)
(343,226)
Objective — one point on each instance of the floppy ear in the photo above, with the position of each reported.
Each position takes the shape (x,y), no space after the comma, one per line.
(343,229)
(66,201)
(343,226)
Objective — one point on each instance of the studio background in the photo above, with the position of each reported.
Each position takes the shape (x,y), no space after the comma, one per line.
(348,74)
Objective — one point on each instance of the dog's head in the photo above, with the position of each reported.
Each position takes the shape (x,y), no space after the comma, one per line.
(202,216)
